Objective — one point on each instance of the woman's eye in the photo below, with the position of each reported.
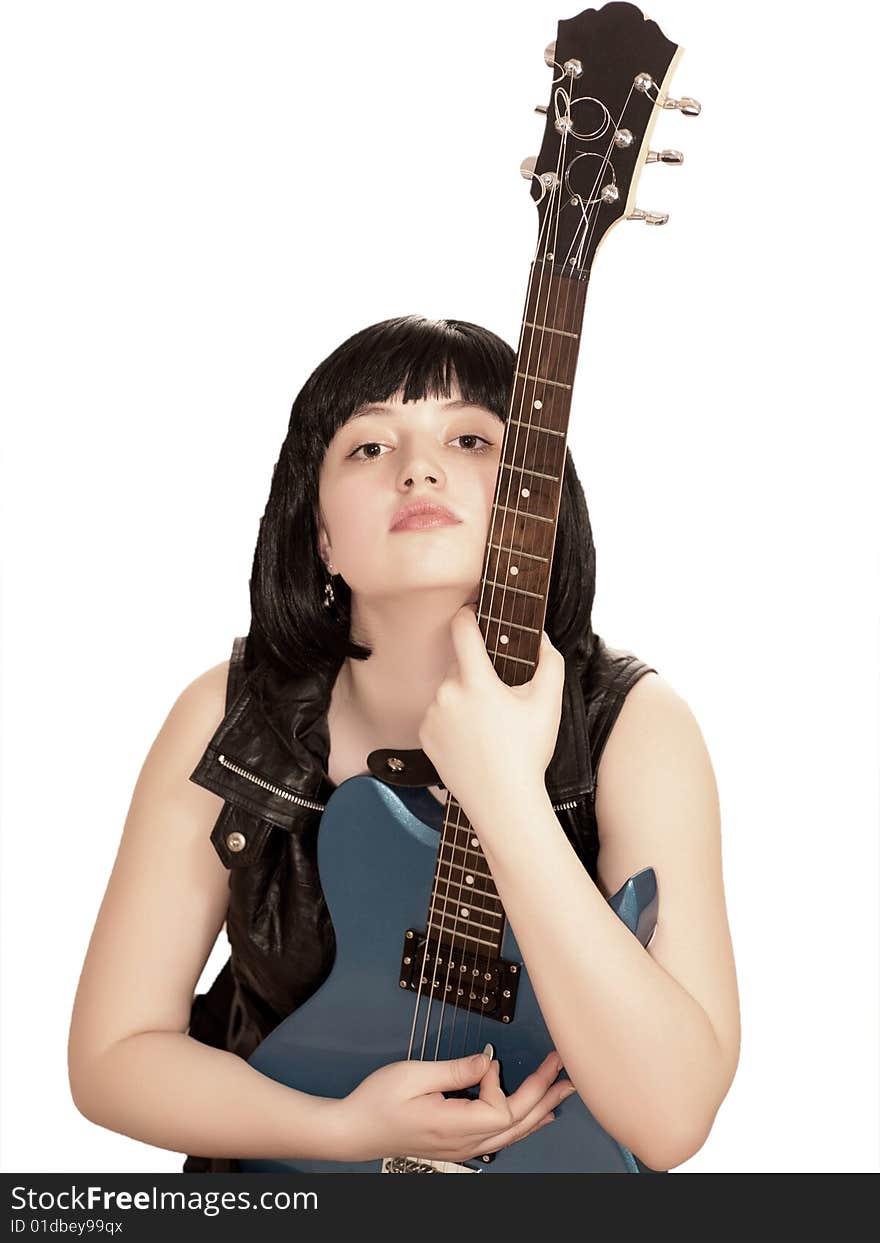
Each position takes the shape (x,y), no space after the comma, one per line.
(372,444)
(487,444)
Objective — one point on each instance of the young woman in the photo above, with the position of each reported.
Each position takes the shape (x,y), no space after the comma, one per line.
(364,636)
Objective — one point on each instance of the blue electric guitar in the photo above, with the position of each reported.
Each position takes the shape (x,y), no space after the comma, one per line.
(426,966)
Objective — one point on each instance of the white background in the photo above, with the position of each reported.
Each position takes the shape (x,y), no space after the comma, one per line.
(202,200)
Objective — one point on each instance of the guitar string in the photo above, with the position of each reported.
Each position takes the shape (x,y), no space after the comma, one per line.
(569,349)
(456,846)
(566,352)
(541,320)
(445,841)
(556,190)
(551,215)
(445,896)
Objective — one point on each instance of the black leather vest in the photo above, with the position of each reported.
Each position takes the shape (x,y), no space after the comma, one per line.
(274,790)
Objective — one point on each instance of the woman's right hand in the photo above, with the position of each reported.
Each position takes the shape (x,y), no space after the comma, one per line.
(400,1109)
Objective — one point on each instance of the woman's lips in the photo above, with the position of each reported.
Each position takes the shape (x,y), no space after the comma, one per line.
(422,522)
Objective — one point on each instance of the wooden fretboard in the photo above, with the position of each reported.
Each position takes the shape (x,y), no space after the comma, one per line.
(512,602)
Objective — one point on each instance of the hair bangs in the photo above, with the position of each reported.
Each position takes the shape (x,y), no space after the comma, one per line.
(414,357)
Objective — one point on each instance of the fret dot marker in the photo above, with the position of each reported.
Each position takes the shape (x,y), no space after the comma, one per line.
(539,405)
(474,842)
(504,639)
(465,912)
(469,880)
(514,569)
(525,492)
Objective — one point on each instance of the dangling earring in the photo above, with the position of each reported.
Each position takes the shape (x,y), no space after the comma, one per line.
(329,596)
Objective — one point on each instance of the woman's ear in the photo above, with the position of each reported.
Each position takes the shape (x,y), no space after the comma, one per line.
(324,550)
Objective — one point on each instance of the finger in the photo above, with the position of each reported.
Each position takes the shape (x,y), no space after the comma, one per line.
(535,1118)
(544,1122)
(490,1086)
(505,1138)
(469,646)
(532,1100)
(532,1090)
(551,663)
(445,1076)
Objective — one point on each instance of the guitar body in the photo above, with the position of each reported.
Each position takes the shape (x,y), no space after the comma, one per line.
(376,859)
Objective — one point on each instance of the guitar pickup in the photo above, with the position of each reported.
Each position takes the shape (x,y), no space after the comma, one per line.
(459,976)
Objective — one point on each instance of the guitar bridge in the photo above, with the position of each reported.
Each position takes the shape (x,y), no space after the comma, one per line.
(461,977)
(423,1165)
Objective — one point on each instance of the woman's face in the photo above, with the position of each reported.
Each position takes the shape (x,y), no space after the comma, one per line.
(443,451)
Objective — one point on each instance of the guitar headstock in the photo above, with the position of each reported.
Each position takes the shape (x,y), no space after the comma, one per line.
(611,69)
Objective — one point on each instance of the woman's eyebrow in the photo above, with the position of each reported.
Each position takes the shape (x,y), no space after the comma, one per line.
(460,404)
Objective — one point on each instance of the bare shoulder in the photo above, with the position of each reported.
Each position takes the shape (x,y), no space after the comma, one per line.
(188,728)
(656,735)
(657,806)
(204,698)
(655,780)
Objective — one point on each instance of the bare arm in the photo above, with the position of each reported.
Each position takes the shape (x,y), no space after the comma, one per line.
(649,1037)
(132,1067)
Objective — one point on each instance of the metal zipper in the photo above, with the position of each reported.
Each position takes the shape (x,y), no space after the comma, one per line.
(572,802)
(267,785)
(305,802)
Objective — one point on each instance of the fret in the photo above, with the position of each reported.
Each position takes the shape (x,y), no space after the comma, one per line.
(503,621)
(480,910)
(546,328)
(539,379)
(520,591)
(536,474)
(465,936)
(518,551)
(444,863)
(519,659)
(524,513)
(536,427)
(448,844)
(465,919)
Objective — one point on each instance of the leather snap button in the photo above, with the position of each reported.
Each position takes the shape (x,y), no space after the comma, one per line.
(236,841)
(395,764)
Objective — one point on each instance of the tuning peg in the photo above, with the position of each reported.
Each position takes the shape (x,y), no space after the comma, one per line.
(664,157)
(645,83)
(688,106)
(550,54)
(527,168)
(542,108)
(649,217)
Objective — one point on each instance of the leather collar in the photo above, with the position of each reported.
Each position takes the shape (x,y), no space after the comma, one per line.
(280,778)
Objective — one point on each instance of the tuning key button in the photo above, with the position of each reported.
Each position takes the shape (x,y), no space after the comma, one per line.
(542,108)
(688,106)
(527,168)
(649,217)
(550,54)
(664,157)
(645,83)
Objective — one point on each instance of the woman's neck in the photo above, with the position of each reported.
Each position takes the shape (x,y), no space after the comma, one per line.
(388,695)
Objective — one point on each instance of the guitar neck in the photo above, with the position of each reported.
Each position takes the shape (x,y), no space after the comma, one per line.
(512,603)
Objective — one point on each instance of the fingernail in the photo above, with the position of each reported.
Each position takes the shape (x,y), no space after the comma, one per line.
(569,1091)
(489,1051)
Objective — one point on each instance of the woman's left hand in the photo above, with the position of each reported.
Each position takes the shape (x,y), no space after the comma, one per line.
(487,740)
